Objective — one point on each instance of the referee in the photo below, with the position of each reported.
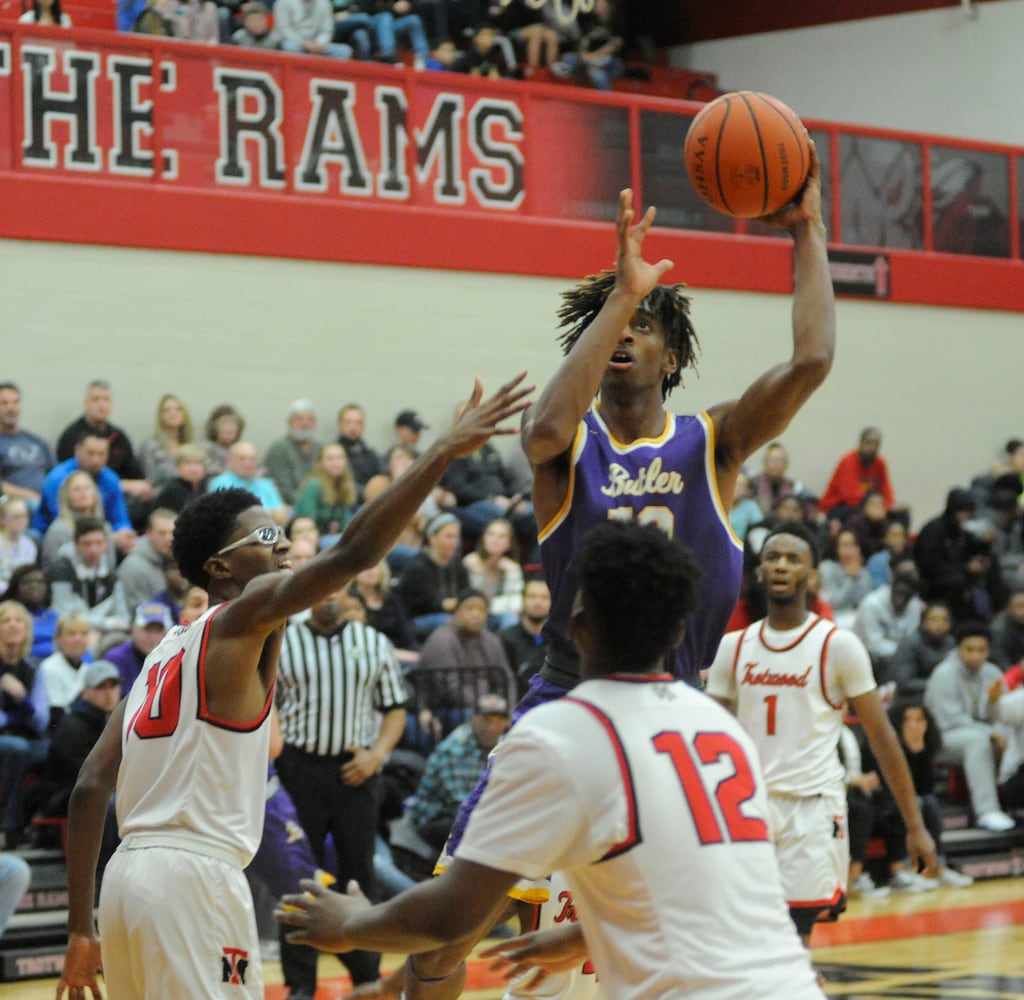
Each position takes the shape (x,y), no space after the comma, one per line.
(340,698)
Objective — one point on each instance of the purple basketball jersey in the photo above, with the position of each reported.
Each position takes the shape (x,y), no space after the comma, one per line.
(668,481)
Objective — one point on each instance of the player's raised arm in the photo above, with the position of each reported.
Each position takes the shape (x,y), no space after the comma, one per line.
(551,424)
(372,532)
(764,411)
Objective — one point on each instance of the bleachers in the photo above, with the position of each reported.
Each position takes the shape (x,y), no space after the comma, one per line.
(83,13)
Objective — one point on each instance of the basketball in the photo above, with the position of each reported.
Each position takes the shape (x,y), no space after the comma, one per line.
(747,154)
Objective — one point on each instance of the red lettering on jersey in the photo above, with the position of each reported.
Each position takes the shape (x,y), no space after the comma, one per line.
(769,678)
(568,911)
(158,714)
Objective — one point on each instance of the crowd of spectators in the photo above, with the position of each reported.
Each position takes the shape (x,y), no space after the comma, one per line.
(87,574)
(509,39)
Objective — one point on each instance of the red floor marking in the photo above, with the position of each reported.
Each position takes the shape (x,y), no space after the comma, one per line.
(894,926)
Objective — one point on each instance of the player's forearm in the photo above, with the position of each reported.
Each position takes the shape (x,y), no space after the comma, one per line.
(87,813)
(814,306)
(391,729)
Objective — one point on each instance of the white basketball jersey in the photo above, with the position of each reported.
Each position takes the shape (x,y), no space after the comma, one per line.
(648,796)
(183,771)
(790,690)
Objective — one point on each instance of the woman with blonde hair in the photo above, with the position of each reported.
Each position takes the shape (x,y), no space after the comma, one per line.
(78,496)
(159,452)
(495,572)
(385,612)
(329,494)
(23,740)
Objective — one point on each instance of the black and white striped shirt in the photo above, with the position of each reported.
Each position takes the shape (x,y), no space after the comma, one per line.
(332,690)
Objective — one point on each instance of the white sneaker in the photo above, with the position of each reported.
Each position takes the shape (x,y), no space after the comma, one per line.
(904,881)
(996,822)
(864,885)
(927,884)
(954,880)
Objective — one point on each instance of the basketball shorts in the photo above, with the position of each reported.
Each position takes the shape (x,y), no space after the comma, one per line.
(176,923)
(813,849)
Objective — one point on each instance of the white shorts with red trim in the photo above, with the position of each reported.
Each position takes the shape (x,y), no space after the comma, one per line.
(813,848)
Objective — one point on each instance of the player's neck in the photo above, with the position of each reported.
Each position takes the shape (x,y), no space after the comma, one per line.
(786,616)
(633,414)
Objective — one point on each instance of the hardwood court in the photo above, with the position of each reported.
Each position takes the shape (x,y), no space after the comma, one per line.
(949,944)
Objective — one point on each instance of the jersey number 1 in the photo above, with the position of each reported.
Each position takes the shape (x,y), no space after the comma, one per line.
(731,792)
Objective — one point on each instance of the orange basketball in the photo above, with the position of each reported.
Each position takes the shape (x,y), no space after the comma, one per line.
(747,154)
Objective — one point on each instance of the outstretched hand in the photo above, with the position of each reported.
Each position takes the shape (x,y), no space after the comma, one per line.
(81,962)
(634,275)
(806,208)
(541,952)
(320,915)
(480,418)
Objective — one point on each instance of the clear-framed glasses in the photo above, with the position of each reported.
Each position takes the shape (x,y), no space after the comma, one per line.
(267,534)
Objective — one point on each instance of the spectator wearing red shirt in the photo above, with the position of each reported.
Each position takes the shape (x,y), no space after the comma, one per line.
(857,472)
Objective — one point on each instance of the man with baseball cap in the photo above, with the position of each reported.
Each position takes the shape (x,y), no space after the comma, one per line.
(408,427)
(150,625)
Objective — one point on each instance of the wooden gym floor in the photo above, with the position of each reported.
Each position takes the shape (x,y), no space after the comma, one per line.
(949,944)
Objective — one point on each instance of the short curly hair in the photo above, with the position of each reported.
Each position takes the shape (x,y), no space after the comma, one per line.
(637,587)
(203,527)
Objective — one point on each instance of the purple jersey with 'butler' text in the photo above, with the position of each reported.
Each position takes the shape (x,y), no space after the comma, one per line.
(669,481)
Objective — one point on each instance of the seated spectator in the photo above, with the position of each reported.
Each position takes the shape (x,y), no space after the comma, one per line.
(308,26)
(1004,518)
(143,571)
(869,523)
(156,18)
(24,717)
(940,550)
(921,742)
(190,479)
(483,490)
(984,593)
(1008,632)
(861,793)
(25,458)
(888,615)
(844,580)
(149,626)
(198,21)
(224,426)
(84,579)
(744,512)
(896,545)
(45,12)
(447,57)
(454,767)
(524,24)
(77,497)
(290,459)
(30,588)
(490,54)
(856,473)
(432,579)
(329,494)
(353,25)
(72,741)
(772,484)
(493,569)
(90,455)
(364,462)
(16,546)
(1009,711)
(195,605)
(256,32)
(15,876)
(175,592)
(301,526)
(919,653)
(159,452)
(409,427)
(396,18)
(464,641)
(120,458)
(960,694)
(596,57)
(385,612)
(243,471)
(62,669)
(524,642)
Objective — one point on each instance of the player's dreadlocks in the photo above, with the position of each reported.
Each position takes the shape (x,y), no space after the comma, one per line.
(666,303)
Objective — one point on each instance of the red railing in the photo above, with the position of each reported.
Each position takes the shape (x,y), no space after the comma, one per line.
(136,141)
